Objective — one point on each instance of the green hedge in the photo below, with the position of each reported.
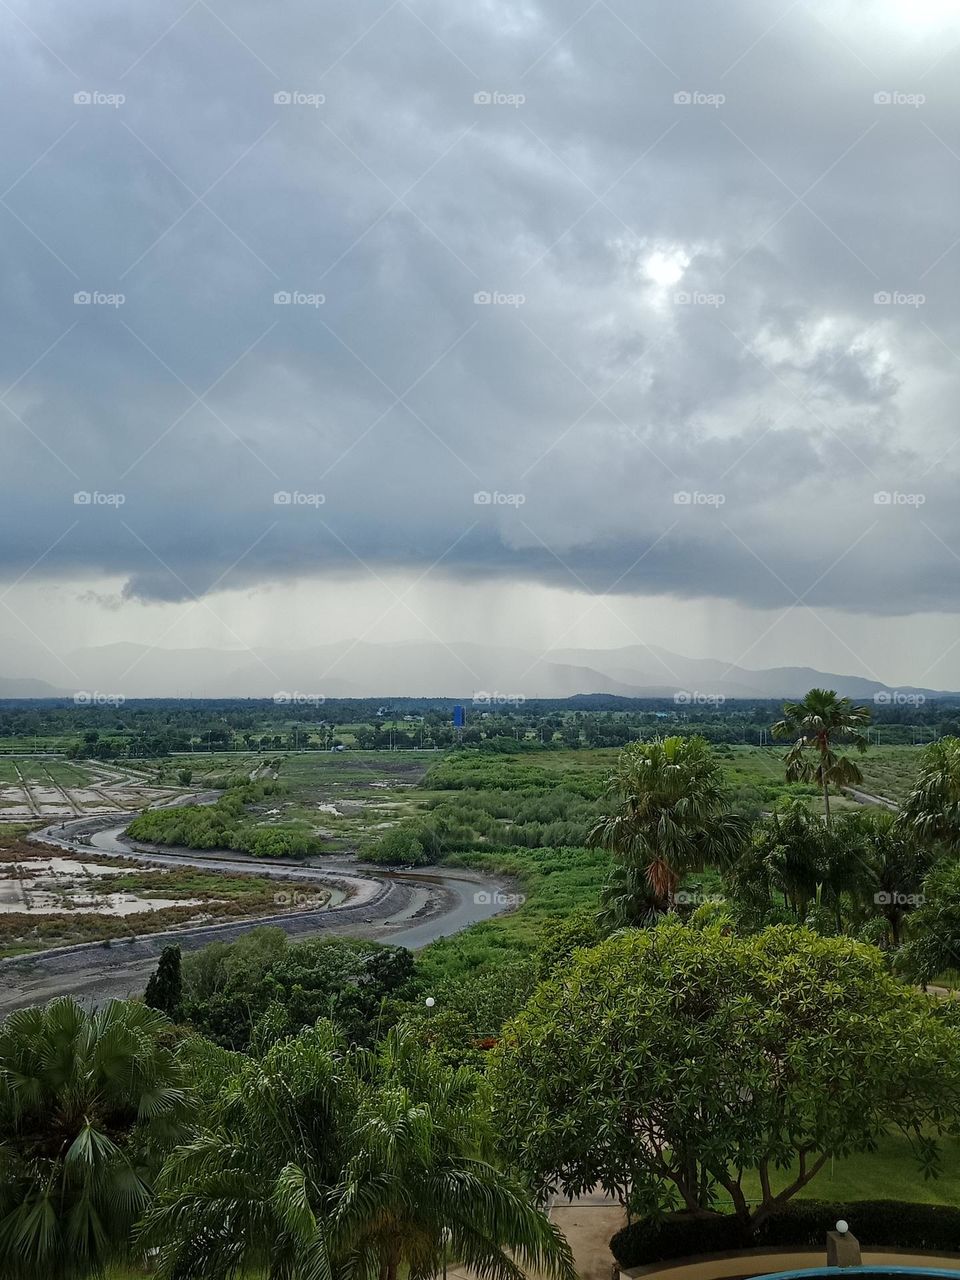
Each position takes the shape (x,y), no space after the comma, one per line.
(804,1223)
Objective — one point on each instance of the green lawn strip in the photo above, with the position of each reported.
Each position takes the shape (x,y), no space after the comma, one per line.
(889,1173)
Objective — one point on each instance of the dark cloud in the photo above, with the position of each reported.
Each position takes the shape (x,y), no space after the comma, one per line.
(685,298)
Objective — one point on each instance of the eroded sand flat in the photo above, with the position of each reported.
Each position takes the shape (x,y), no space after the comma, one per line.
(44,886)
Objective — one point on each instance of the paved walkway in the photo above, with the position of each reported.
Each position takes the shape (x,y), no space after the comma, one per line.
(588,1223)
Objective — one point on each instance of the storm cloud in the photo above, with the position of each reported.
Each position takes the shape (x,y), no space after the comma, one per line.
(635,299)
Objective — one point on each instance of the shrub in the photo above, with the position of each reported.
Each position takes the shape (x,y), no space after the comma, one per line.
(403,846)
(891,1223)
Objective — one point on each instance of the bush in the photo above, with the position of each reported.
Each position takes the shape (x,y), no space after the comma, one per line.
(653,1240)
(403,846)
(892,1223)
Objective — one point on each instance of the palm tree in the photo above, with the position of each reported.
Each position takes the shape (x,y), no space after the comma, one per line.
(671,817)
(896,864)
(789,847)
(931,812)
(315,1162)
(420,1186)
(88,1103)
(818,723)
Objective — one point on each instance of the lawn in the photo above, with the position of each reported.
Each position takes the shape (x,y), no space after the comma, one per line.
(889,1173)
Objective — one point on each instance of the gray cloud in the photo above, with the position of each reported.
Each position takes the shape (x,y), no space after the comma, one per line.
(779,384)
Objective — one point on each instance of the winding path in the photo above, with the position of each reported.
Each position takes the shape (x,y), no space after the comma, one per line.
(406,908)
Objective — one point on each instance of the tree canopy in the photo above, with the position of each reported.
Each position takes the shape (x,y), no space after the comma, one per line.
(668,1063)
(670,816)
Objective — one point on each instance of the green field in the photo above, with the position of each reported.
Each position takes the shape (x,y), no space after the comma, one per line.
(889,1173)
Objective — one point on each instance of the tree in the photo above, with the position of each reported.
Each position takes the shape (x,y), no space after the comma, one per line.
(671,817)
(817,724)
(896,864)
(934,943)
(931,812)
(229,987)
(667,1063)
(88,1103)
(165,986)
(313,1162)
(786,857)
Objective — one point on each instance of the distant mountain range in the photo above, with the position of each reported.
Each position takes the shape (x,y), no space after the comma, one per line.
(355,669)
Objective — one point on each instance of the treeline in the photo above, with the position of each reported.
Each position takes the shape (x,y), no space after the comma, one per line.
(153,728)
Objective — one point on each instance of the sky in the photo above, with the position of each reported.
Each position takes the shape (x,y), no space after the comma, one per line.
(580,323)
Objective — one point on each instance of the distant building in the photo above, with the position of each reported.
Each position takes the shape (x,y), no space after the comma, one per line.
(459,717)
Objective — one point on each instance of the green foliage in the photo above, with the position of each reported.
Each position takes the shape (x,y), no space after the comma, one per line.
(165,987)
(580,929)
(554,882)
(405,845)
(672,1060)
(466,771)
(226,825)
(469,1010)
(931,812)
(670,817)
(230,988)
(88,1105)
(312,1162)
(864,867)
(817,725)
(934,943)
(895,1224)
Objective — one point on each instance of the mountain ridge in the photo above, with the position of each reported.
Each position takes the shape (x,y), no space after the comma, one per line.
(412,668)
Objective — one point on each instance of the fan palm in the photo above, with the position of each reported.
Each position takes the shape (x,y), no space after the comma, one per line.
(315,1163)
(671,817)
(817,724)
(87,1104)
